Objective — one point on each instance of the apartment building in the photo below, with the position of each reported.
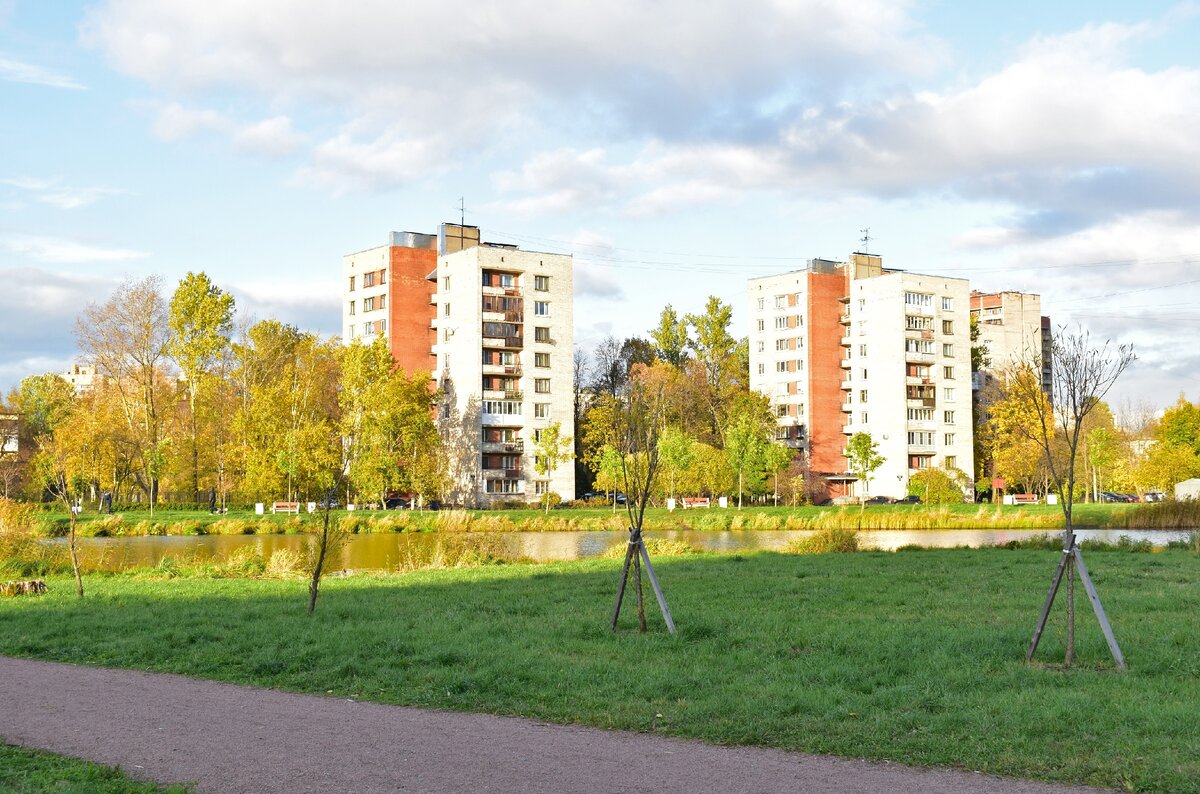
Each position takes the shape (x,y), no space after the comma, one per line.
(495,327)
(81,377)
(847,347)
(1012,330)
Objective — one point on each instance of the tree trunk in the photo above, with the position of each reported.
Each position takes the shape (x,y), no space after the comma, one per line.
(322,544)
(641,604)
(1070,655)
(74,552)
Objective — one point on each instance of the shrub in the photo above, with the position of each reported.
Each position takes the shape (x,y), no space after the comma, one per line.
(655,547)
(285,563)
(824,541)
(106,527)
(231,526)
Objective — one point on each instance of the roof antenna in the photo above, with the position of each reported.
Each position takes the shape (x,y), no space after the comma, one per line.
(462,211)
(866,240)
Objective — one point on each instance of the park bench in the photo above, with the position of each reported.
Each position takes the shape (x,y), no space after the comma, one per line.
(1025,498)
(694,501)
(286,507)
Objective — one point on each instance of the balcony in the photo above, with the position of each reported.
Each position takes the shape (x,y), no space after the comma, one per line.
(510,292)
(918,358)
(515,447)
(502,369)
(846,385)
(846,363)
(921,449)
(845,341)
(501,474)
(847,407)
(921,424)
(844,319)
(848,430)
(914,380)
(922,402)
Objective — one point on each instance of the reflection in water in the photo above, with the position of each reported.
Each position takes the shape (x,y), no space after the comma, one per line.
(384,551)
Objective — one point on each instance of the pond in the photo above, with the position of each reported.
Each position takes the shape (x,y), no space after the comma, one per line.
(383,551)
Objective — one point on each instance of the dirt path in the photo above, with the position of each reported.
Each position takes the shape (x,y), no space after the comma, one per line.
(228,738)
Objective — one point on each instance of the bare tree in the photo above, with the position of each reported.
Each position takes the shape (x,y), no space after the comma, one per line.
(635,437)
(1082,374)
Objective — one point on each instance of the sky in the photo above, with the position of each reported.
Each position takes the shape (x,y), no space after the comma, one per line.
(676,148)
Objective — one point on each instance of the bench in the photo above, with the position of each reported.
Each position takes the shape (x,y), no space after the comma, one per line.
(1025,498)
(694,501)
(286,507)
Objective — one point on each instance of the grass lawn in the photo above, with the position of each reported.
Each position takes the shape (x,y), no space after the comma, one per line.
(913,656)
(33,772)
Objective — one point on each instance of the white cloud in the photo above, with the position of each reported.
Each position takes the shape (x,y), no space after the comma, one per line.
(59,251)
(56,194)
(19,72)
(311,306)
(273,137)
(173,121)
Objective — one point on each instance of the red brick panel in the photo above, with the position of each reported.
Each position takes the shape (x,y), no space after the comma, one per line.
(410,312)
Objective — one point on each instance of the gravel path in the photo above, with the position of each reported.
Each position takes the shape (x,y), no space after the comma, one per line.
(228,738)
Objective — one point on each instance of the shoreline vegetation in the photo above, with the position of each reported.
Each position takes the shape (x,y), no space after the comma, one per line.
(1160,515)
(913,655)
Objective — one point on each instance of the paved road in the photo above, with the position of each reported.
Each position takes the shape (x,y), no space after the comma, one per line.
(227,738)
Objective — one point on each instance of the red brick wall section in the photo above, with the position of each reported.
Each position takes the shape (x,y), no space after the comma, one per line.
(410,312)
(825,373)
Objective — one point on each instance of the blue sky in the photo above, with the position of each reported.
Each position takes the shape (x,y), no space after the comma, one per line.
(677,149)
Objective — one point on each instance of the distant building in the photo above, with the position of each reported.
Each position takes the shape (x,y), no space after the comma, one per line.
(10,434)
(495,327)
(1188,489)
(80,376)
(1012,331)
(847,347)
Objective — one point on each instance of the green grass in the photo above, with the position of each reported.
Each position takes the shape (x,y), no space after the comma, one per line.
(25,771)
(915,656)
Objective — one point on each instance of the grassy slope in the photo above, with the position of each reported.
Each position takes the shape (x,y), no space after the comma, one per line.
(915,657)
(32,772)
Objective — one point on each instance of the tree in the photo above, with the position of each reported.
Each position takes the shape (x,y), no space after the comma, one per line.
(938,486)
(714,345)
(1013,432)
(677,453)
(126,338)
(1082,374)
(671,338)
(201,320)
(746,441)
(776,460)
(863,458)
(60,463)
(551,450)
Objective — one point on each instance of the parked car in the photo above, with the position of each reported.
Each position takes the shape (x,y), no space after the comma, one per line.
(1110,496)
(911,499)
(395,503)
(878,500)
(1155,496)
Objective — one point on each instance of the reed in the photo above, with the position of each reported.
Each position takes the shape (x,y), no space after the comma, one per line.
(825,541)
(1183,514)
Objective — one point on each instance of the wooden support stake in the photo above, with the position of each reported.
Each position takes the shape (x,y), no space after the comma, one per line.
(629,551)
(658,593)
(1041,624)
(1098,608)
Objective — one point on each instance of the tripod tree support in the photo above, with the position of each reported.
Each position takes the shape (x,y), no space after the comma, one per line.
(1073,559)
(634,550)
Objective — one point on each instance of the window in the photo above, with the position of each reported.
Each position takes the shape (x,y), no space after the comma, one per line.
(502,407)
(947,394)
(446,310)
(368,280)
(445,283)
(541,360)
(914,322)
(951,462)
(445,334)
(502,486)
(368,304)
(947,326)
(760,345)
(920,438)
(383,276)
(864,374)
(781,301)
(799,365)
(541,385)
(948,373)
(917,299)
(864,417)
(380,303)
(540,487)
(541,334)
(919,461)
(537,436)
(947,350)
(862,395)
(781,410)
(351,308)
(541,410)
(352,283)
(352,329)
(761,325)
(948,417)
(781,366)
(949,439)
(947,304)
(761,303)
(541,308)
(541,283)
(781,323)
(920,414)
(761,369)
(781,344)
(862,350)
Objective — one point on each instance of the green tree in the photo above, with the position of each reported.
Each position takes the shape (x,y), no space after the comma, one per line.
(863,458)
(43,402)
(551,450)
(776,460)
(714,346)
(746,442)
(676,453)
(201,320)
(1180,425)
(671,338)
(938,486)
